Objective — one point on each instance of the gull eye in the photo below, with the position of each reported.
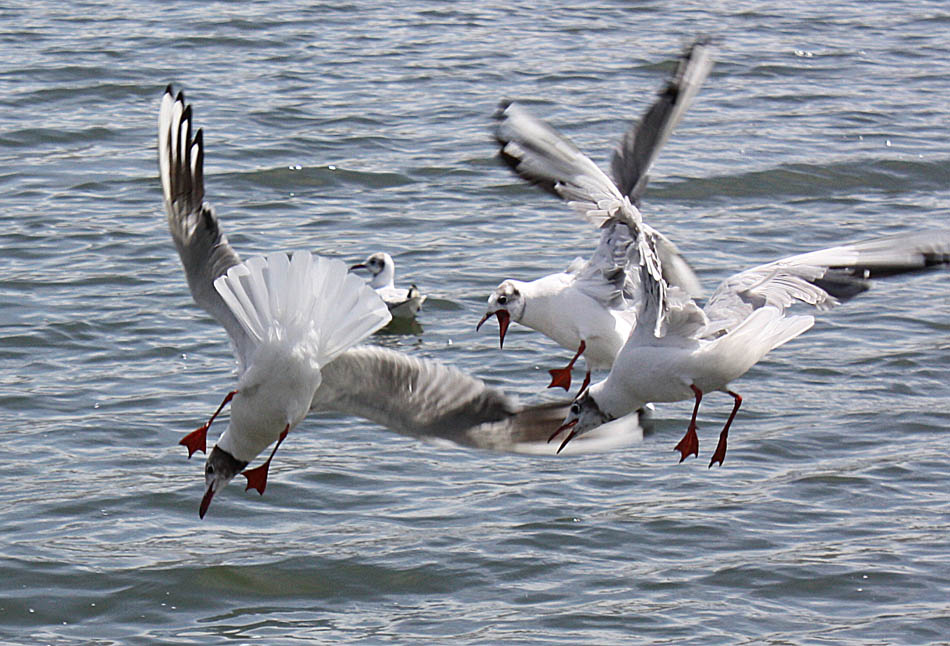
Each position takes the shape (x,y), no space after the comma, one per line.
(576,408)
(209,470)
(502,300)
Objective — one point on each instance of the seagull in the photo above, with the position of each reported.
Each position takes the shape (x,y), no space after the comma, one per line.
(402,303)
(590,308)
(678,351)
(293,314)
(412,396)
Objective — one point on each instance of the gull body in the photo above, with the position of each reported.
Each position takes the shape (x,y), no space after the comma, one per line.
(288,317)
(678,351)
(278,312)
(545,305)
(593,303)
(402,303)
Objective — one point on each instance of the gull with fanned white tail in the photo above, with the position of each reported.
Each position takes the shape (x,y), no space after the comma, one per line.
(295,315)
(293,322)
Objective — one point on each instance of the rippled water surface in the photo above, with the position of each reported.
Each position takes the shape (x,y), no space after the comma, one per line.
(346,128)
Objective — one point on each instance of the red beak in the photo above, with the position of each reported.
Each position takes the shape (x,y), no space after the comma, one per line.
(209,494)
(563,427)
(566,440)
(504,318)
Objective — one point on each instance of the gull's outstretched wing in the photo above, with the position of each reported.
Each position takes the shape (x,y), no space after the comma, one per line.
(641,144)
(202,246)
(538,153)
(428,400)
(541,155)
(823,278)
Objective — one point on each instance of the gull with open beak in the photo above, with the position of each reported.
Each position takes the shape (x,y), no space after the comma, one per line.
(294,356)
(590,308)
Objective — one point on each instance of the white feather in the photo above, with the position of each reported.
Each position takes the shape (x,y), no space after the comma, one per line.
(304,301)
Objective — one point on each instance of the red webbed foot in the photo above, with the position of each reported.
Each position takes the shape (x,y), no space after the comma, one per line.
(197,440)
(560,377)
(720,453)
(689,444)
(257,477)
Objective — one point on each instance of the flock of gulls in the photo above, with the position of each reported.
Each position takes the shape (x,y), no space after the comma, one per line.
(296,322)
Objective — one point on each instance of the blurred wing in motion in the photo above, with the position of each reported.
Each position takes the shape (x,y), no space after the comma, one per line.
(427,400)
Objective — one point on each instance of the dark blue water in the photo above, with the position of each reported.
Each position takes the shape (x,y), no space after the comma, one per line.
(351,128)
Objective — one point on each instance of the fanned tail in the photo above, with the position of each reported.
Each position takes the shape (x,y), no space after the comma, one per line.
(304,300)
(764,330)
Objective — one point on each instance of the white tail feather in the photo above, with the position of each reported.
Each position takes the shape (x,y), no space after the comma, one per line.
(766,329)
(304,300)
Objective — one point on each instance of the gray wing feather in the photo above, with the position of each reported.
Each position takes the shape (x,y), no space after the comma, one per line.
(539,154)
(603,277)
(408,395)
(824,278)
(202,246)
(428,400)
(641,144)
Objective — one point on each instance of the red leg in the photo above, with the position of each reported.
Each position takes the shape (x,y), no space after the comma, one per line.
(720,453)
(690,443)
(197,440)
(257,477)
(585,384)
(562,376)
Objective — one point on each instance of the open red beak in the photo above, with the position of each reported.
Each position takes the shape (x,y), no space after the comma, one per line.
(566,440)
(504,318)
(563,427)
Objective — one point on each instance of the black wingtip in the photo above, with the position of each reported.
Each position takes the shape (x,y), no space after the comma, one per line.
(510,161)
(702,40)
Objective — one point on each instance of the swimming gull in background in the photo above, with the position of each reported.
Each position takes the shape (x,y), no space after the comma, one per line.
(402,303)
(590,307)
(411,396)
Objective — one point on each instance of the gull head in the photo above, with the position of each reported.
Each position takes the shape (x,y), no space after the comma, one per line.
(506,303)
(220,468)
(381,267)
(584,415)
